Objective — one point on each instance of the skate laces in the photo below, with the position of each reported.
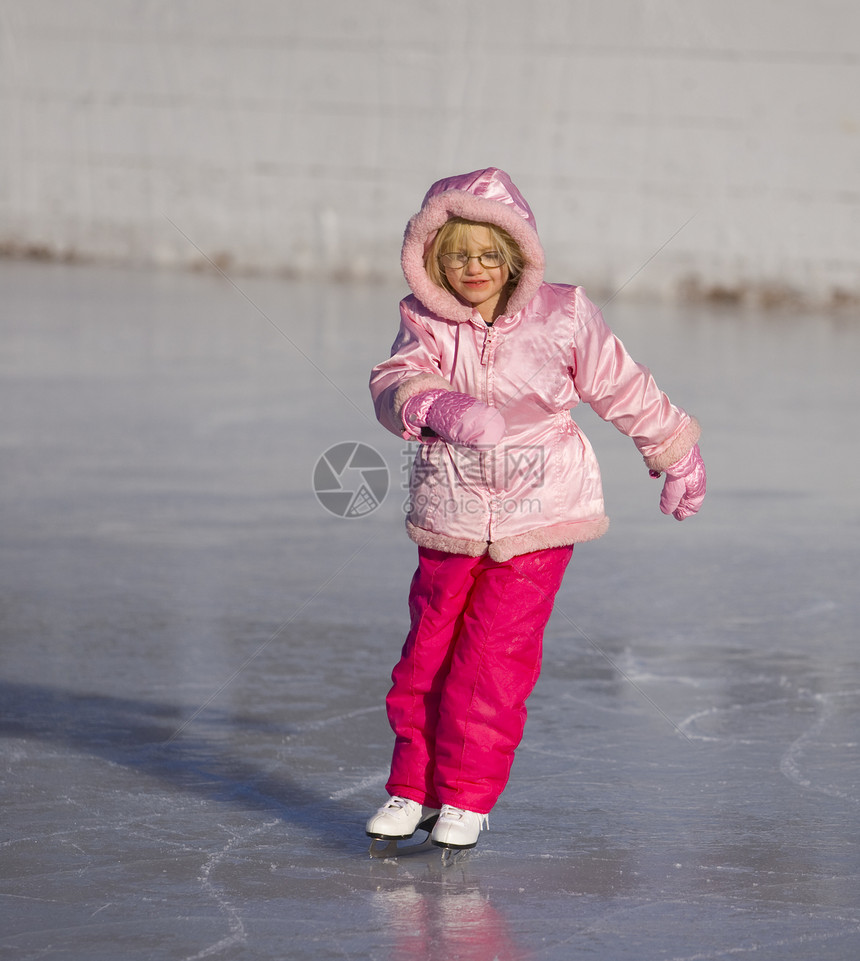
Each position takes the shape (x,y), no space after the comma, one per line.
(397,804)
(450,813)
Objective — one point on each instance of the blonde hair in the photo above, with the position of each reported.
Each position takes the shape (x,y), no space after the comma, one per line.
(453,235)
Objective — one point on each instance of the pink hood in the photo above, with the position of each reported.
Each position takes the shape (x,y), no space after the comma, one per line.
(485,196)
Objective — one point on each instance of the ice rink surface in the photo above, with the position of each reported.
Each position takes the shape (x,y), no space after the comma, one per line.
(195,652)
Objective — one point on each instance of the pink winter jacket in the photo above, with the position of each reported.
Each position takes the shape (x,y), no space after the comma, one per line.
(540,487)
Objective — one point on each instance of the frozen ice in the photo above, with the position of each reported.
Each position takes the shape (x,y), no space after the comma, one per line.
(195,652)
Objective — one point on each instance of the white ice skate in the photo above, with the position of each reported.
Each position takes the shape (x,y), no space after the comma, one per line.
(457,830)
(396,821)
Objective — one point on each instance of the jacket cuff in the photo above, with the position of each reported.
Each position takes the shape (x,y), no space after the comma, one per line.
(672,450)
(411,387)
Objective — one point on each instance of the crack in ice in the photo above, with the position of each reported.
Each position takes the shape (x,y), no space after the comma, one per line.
(237,933)
(790,765)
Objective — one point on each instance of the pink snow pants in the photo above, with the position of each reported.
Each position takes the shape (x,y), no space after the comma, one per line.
(470,661)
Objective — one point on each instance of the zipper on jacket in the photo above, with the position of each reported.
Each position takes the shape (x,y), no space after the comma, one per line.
(489,459)
(489,347)
(491,340)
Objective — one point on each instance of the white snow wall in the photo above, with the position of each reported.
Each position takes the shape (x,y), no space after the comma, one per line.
(667,146)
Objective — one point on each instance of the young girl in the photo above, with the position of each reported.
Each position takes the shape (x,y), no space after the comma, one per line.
(486,367)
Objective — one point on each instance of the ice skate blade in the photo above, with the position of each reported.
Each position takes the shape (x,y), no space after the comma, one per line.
(396,848)
(386,846)
(447,846)
(453,855)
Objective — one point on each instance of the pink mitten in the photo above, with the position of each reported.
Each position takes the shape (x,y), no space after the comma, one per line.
(456,418)
(684,489)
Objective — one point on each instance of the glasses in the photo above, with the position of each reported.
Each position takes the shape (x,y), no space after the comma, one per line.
(488,259)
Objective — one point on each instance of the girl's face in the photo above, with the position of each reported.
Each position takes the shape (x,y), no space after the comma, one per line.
(479,286)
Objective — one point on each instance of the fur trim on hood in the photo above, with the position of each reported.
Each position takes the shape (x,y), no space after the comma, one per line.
(485,196)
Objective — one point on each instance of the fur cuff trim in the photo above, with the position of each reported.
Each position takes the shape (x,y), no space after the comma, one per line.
(560,535)
(460,203)
(441,542)
(679,444)
(539,539)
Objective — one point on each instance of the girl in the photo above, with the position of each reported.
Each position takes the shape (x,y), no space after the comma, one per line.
(488,362)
